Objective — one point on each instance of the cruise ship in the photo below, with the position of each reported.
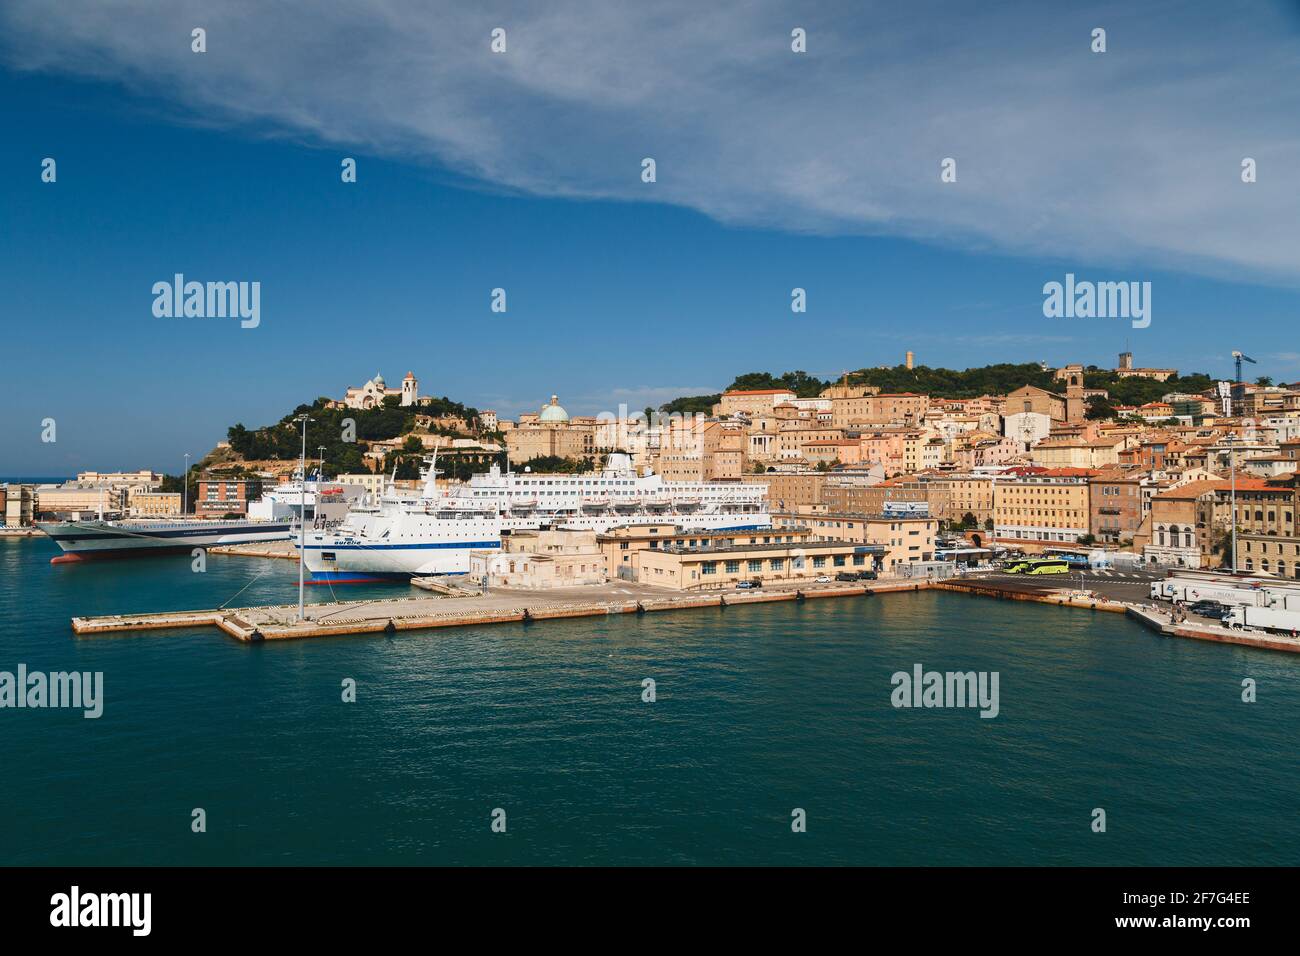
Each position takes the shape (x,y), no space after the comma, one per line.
(88,540)
(433,532)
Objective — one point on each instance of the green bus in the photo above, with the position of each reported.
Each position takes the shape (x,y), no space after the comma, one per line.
(1046,566)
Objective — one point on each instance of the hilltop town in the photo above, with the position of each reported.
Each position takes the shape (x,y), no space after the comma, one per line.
(1057,461)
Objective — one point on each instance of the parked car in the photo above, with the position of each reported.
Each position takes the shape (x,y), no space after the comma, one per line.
(745,586)
(1209,609)
(822,579)
(846,576)
(866,575)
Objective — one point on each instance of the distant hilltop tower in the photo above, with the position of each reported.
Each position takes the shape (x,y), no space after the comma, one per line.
(410,389)
(907,360)
(1125,360)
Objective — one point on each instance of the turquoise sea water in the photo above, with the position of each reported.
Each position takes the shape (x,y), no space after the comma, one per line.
(760,710)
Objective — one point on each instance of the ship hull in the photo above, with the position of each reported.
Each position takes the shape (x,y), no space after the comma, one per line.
(331,560)
(356,559)
(93,541)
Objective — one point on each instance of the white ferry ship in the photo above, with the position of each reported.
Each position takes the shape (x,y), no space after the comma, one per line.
(88,540)
(434,532)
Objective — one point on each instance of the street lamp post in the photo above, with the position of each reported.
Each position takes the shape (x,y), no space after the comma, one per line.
(302,514)
(185,486)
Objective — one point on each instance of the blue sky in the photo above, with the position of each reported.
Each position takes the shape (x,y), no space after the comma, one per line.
(522,170)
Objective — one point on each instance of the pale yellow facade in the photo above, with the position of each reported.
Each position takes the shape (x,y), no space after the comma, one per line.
(154,504)
(1042,508)
(541,559)
(687,569)
(904,540)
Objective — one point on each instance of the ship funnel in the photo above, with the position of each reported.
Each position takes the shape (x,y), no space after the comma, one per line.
(618,462)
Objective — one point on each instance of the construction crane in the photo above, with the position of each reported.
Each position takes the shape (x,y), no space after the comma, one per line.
(1241,357)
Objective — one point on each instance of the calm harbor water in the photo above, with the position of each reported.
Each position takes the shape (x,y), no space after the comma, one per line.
(760,710)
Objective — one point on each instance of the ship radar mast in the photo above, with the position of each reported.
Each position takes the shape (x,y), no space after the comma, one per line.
(430,473)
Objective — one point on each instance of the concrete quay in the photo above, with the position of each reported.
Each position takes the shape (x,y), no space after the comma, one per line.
(1090,600)
(388,615)
(503,605)
(1159,620)
(258,549)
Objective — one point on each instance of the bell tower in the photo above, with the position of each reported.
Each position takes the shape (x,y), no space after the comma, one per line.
(1076,407)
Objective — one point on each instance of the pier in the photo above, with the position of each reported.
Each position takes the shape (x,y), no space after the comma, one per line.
(388,615)
(458,607)
(258,549)
(1159,620)
(1091,600)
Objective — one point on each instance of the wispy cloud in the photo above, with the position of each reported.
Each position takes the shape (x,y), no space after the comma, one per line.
(1131,157)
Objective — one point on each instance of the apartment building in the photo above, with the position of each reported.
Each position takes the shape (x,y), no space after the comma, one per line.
(1071,453)
(1115,506)
(622,547)
(69,499)
(793,437)
(841,451)
(793,489)
(723,452)
(154,504)
(869,497)
(1168,536)
(983,449)
(17,505)
(541,559)
(751,402)
(966,494)
(881,409)
(1047,505)
(221,496)
(900,539)
(1268,541)
(687,569)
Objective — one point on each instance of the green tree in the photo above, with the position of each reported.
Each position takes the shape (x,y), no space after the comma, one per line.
(1099,409)
(556,465)
(691,405)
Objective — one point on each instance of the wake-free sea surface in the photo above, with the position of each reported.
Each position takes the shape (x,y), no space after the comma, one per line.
(760,710)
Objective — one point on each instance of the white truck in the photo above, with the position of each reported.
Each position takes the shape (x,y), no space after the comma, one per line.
(1269,618)
(1191,590)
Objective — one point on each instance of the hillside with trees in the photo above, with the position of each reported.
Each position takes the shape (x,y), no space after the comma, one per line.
(950,383)
(283,440)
